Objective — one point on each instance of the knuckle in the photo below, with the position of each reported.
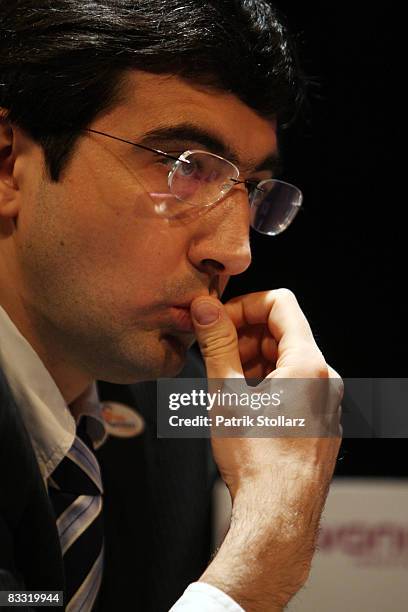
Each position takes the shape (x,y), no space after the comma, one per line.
(338,382)
(319,368)
(333,373)
(285,294)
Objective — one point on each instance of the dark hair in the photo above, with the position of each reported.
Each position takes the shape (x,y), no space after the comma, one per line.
(62,61)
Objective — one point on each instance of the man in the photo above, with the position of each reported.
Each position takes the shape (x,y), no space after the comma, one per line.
(132,135)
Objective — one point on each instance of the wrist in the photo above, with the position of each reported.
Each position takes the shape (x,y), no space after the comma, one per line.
(258,568)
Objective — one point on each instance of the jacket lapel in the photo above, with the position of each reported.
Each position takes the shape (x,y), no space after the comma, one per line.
(25,511)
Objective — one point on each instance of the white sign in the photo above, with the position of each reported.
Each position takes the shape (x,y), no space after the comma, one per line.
(362,560)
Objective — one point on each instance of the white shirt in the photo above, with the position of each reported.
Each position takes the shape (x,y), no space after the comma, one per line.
(52,432)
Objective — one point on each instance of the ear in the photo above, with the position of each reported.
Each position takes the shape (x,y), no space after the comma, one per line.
(9,191)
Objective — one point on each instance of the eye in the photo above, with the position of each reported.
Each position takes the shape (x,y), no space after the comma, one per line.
(190,168)
(167,162)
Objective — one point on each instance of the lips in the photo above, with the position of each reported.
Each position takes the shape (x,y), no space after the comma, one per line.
(186,304)
(180,313)
(181,318)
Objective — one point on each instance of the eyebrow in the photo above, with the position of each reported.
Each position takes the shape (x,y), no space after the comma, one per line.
(190,133)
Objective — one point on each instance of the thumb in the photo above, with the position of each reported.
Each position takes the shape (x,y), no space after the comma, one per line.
(217,337)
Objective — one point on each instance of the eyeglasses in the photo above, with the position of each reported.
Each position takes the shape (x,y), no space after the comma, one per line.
(200,179)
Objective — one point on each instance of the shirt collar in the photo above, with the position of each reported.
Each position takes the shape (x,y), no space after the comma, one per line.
(47,418)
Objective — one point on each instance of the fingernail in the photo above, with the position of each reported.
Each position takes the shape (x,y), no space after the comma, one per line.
(205,312)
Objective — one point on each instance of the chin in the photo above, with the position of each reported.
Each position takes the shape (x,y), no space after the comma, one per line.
(175,354)
(163,358)
(169,369)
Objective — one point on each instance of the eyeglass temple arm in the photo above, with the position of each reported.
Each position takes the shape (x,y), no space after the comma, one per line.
(247,182)
(135,144)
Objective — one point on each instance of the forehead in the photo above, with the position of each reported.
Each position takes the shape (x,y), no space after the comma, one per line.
(153,101)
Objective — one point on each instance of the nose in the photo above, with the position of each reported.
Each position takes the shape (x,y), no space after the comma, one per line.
(220,243)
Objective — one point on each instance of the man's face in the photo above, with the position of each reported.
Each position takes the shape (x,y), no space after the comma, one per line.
(96,261)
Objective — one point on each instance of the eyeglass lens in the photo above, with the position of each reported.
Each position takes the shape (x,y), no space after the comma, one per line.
(203,180)
(207,178)
(274,208)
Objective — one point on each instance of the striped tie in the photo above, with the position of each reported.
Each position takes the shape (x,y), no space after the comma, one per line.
(75,489)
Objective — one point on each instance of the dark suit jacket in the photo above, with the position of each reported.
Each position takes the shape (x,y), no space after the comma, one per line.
(156,508)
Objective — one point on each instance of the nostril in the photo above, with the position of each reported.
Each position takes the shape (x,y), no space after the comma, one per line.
(213,263)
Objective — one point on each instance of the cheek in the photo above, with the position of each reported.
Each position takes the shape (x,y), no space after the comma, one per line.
(142,257)
(124,257)
(133,258)
(113,249)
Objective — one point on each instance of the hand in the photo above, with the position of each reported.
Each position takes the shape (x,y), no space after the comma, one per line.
(281,483)
(264,334)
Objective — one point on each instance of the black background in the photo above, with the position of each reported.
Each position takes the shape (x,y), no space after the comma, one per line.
(344,254)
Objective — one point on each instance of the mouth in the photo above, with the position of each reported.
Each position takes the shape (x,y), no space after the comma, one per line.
(179,314)
(181,318)
(186,304)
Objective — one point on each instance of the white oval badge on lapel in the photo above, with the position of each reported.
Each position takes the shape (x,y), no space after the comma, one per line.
(121,420)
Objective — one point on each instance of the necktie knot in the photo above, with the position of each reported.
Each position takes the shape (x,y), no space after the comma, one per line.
(79,472)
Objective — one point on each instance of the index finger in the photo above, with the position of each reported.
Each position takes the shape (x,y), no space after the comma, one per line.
(277,308)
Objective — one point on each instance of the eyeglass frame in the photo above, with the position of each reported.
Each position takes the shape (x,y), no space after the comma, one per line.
(179,159)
